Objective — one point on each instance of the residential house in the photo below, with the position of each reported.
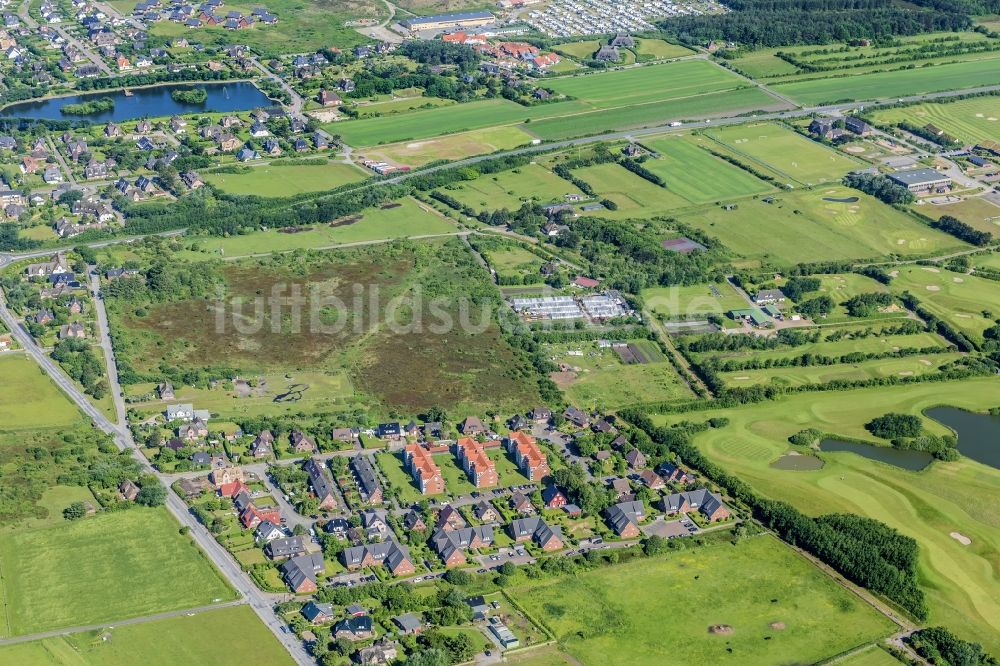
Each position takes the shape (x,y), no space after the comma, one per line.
(74,330)
(485,512)
(379,653)
(576,417)
(196,429)
(267,532)
(451,545)
(520,503)
(549,538)
(263,445)
(768,297)
(553,498)
(321,484)
(318,613)
(702,500)
(449,518)
(477,465)
(414,522)
(540,415)
(128,490)
(622,489)
(674,474)
(524,450)
(220,477)
(390,431)
(423,469)
(409,624)
(368,484)
(624,518)
(635,459)
(391,554)
(375,524)
(302,443)
(472,426)
(651,479)
(282,549)
(299,573)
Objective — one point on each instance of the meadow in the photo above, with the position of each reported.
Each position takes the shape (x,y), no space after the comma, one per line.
(285,180)
(693,299)
(600,379)
(899,83)
(873,344)
(977,212)
(510,189)
(962,496)
(515,262)
(786,152)
(762,64)
(970,120)
(615,615)
(635,196)
(661,49)
(803,227)
(453,146)
(28,395)
(391,466)
(409,218)
(101,569)
(910,366)
(961,300)
(225,637)
(697,175)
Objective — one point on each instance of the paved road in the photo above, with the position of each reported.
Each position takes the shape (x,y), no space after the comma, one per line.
(104,332)
(260,602)
(121,623)
(297,101)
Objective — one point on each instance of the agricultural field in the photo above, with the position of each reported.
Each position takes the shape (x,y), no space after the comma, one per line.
(899,83)
(28,396)
(101,569)
(367,338)
(961,300)
(962,496)
(910,366)
(510,189)
(782,150)
(285,180)
(693,299)
(635,196)
(407,218)
(977,212)
(452,147)
(232,636)
(600,377)
(970,120)
(661,49)
(698,176)
(809,226)
(759,588)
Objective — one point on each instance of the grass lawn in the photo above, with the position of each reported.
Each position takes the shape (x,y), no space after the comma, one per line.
(456,481)
(579,50)
(977,212)
(508,473)
(322,392)
(661,49)
(410,218)
(225,637)
(391,465)
(964,496)
(509,189)
(101,569)
(697,175)
(873,656)
(453,146)
(635,196)
(821,374)
(515,261)
(54,500)
(693,299)
(602,380)
(29,399)
(959,299)
(615,615)
(786,152)
(971,120)
(883,85)
(280,180)
(803,227)
(762,64)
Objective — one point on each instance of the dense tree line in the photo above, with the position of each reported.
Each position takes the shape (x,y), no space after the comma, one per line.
(938,325)
(879,187)
(80,362)
(770,23)
(866,305)
(795,287)
(863,550)
(940,646)
(963,231)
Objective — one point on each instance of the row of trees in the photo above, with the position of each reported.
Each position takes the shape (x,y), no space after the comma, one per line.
(879,187)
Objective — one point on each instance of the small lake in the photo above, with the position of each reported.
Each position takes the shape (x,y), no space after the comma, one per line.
(978,434)
(911,460)
(146,102)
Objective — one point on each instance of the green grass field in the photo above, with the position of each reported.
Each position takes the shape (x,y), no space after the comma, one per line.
(620,615)
(786,152)
(910,366)
(579,50)
(971,120)
(873,656)
(961,300)
(101,569)
(29,399)
(762,64)
(225,637)
(509,189)
(515,261)
(802,227)
(661,49)
(454,146)
(601,380)
(697,175)
(411,218)
(391,465)
(276,180)
(963,496)
(873,344)
(887,85)
(693,299)
(977,212)
(841,287)
(635,196)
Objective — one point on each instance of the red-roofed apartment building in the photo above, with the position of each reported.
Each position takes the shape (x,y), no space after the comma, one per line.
(424,470)
(471,455)
(529,458)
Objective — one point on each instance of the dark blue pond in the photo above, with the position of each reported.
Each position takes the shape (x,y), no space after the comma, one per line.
(978,434)
(146,102)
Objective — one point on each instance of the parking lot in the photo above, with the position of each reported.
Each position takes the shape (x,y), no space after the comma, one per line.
(670,529)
